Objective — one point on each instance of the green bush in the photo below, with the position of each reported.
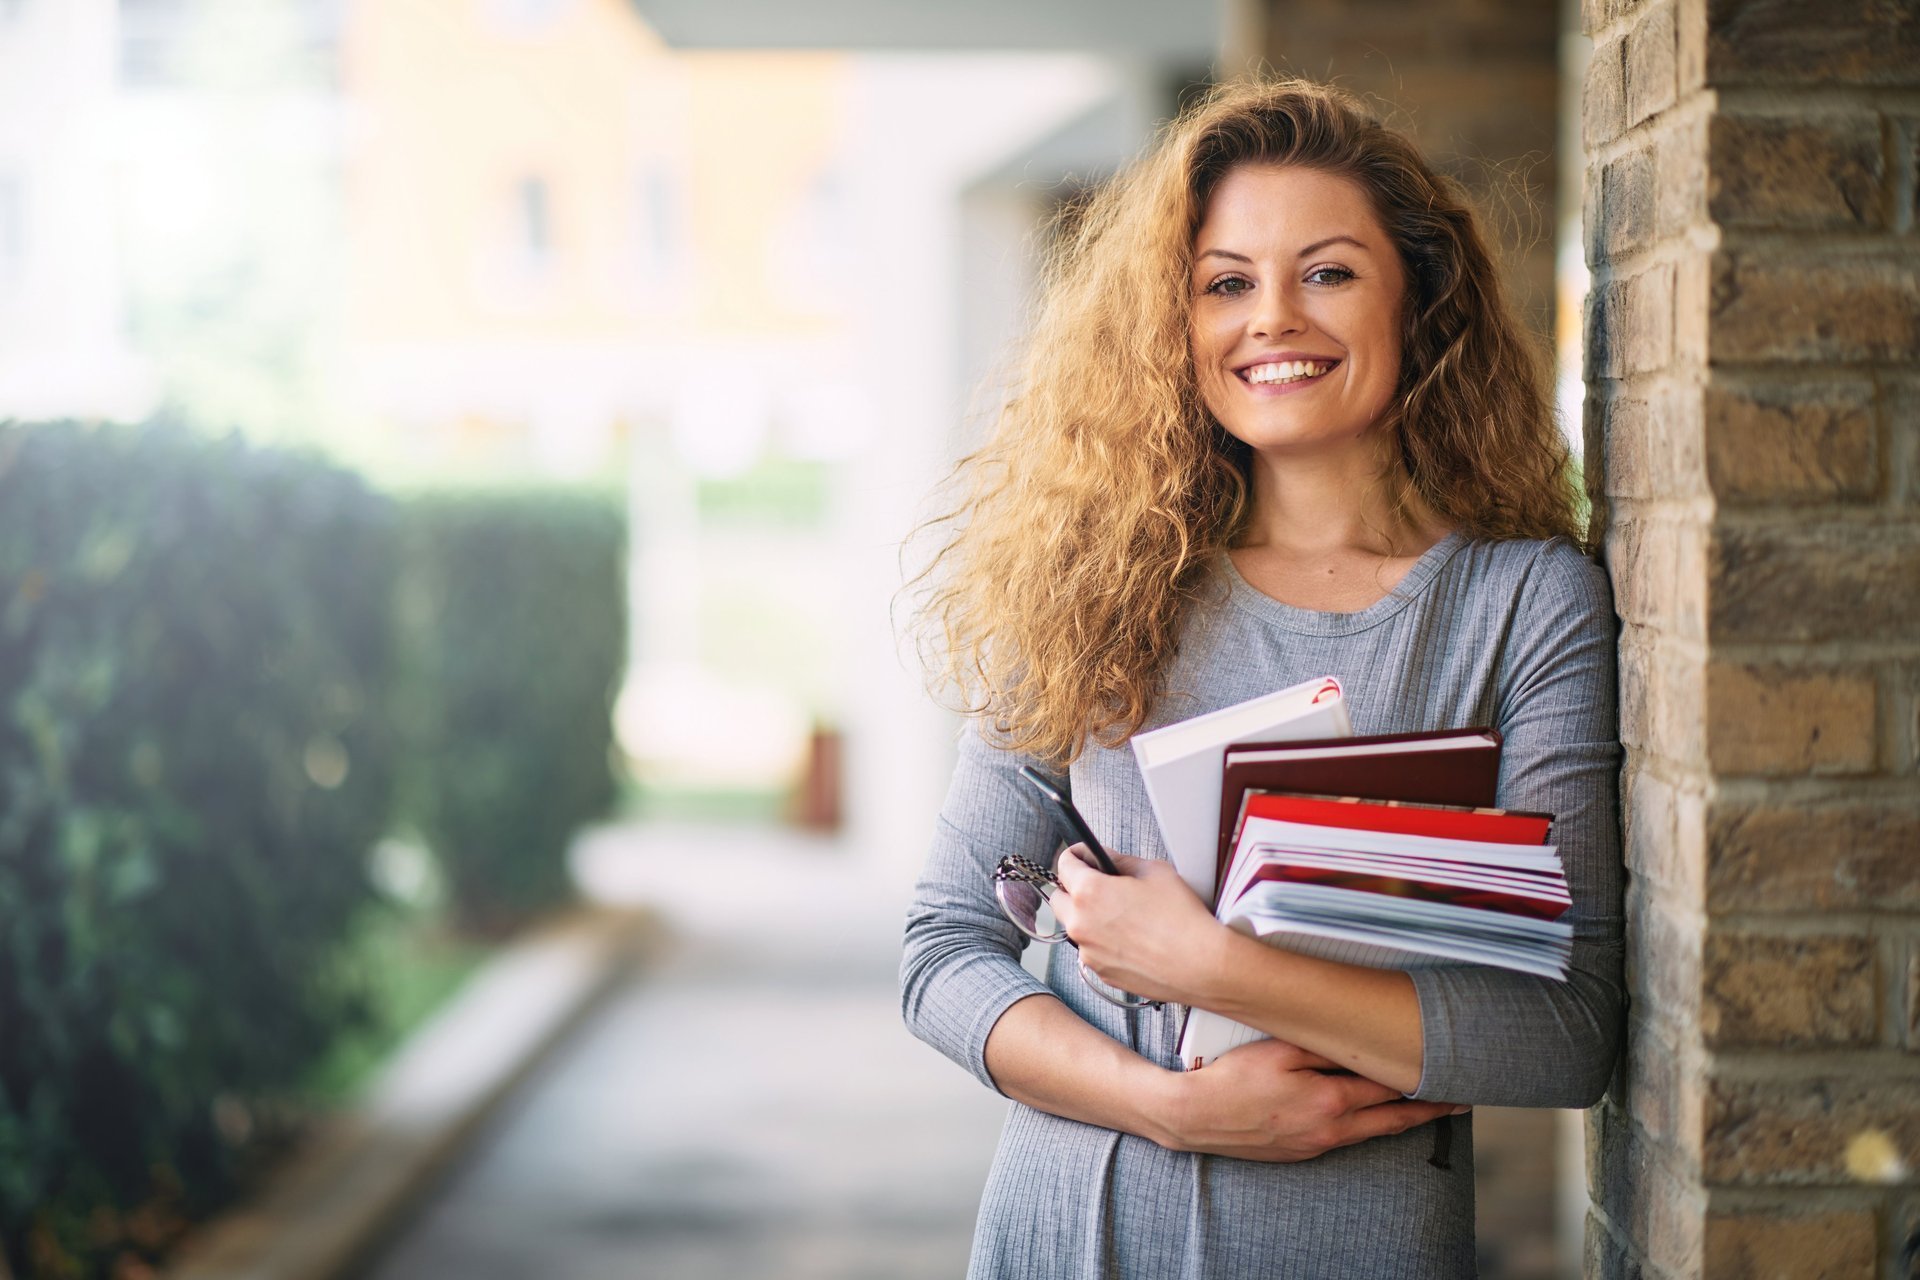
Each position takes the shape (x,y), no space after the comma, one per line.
(195,641)
(513,618)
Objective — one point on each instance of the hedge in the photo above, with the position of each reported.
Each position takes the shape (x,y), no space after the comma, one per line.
(195,647)
(514,639)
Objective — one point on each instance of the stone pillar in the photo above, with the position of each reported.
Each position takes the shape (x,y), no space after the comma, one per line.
(1753,381)
(1475,81)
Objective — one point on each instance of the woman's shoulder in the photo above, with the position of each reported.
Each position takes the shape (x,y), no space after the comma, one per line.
(1539,573)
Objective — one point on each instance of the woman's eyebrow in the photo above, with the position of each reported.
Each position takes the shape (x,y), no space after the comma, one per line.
(1315,247)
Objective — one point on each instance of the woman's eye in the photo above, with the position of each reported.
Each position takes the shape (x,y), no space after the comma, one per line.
(1329,275)
(1230,286)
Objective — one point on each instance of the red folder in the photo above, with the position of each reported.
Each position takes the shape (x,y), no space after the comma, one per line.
(1458,767)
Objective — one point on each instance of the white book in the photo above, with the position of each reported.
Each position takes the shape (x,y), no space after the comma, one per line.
(1182,765)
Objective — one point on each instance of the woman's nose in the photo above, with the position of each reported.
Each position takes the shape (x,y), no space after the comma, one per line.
(1274,314)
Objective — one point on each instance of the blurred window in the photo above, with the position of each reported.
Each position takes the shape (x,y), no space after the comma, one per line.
(657,230)
(812,251)
(150,32)
(13,229)
(303,38)
(535,219)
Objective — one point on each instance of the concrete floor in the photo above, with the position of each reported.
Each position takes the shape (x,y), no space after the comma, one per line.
(748,1106)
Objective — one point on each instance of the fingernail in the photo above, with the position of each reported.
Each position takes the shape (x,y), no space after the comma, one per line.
(1460,1111)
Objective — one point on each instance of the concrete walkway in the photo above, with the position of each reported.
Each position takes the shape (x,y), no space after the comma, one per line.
(748,1106)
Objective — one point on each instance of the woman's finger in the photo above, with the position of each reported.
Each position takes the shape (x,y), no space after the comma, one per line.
(1390,1117)
(1073,868)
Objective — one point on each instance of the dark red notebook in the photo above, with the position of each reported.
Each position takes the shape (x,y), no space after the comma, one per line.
(1452,767)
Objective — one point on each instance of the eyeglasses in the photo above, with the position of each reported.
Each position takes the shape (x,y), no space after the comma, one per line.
(1025,891)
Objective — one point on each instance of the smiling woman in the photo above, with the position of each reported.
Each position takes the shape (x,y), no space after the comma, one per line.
(1277,423)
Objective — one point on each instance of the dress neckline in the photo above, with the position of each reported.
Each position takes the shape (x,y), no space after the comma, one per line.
(1319,623)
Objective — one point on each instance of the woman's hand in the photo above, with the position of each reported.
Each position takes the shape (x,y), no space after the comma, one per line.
(1277,1102)
(1143,930)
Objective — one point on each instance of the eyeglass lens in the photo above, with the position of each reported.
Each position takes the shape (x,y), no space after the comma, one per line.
(1023,889)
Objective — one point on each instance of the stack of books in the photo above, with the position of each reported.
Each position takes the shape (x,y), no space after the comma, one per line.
(1383,851)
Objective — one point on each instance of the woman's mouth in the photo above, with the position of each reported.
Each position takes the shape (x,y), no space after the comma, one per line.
(1281,373)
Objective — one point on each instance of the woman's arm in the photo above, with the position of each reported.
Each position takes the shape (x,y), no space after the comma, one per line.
(1269,1101)
(1145,931)
(964,991)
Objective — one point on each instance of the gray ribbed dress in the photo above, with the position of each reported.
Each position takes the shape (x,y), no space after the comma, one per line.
(1518,635)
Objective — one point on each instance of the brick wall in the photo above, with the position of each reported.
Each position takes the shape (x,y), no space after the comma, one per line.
(1753,370)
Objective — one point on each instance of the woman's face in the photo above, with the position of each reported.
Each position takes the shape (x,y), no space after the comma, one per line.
(1296,309)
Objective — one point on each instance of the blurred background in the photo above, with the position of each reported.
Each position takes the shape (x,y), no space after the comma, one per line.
(454,461)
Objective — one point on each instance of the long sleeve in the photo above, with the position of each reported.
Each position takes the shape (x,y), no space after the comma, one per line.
(960,968)
(1500,1038)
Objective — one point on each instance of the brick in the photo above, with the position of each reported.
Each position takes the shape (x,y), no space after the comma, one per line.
(1595,14)
(1841,855)
(1827,1129)
(1789,992)
(1681,178)
(1633,1181)
(1791,1243)
(1662,698)
(1663,961)
(1692,318)
(1622,218)
(1604,303)
(1798,442)
(1627,446)
(1642,567)
(1780,721)
(1902,399)
(1605,1256)
(1664,835)
(1659,568)
(1649,831)
(1648,320)
(1814,581)
(1796,173)
(1906,1238)
(1907,144)
(1665,1092)
(1912,1028)
(1791,42)
(1820,308)
(1690,26)
(1604,101)
(1651,69)
(1906,718)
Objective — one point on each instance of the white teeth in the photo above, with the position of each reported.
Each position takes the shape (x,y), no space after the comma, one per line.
(1286,371)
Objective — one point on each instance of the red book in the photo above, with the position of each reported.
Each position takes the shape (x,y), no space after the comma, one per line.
(1452,767)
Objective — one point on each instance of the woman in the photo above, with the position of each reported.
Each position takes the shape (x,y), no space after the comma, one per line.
(1277,422)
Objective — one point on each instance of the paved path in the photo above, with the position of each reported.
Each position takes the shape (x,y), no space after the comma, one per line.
(748,1106)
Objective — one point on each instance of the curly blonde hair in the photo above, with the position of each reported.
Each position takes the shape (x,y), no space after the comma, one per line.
(1090,522)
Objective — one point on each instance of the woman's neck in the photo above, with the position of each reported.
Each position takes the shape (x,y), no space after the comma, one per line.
(1331,502)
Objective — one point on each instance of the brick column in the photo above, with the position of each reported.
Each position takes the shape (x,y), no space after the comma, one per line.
(1753,372)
